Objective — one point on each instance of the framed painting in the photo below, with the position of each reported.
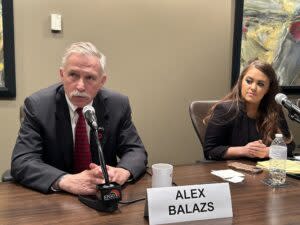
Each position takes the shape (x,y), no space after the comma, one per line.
(270,31)
(7,52)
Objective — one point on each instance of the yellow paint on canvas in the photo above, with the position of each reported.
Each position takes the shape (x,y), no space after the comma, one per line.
(288,6)
(264,39)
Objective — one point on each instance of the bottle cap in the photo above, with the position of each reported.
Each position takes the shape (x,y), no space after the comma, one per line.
(279,135)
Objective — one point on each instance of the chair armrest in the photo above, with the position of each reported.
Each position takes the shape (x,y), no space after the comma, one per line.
(6,176)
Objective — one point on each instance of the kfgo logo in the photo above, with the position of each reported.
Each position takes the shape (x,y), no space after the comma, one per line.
(113,195)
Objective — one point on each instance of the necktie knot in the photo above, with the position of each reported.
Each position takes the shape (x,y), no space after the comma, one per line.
(79,111)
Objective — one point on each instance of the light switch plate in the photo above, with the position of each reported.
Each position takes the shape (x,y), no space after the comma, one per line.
(56,22)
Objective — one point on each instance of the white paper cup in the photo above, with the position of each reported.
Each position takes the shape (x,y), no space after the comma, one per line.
(162,175)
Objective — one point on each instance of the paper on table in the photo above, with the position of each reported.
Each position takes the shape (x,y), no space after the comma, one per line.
(291,166)
(229,173)
(297,157)
(235,179)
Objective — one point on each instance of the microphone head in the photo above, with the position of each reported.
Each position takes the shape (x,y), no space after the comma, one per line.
(280,97)
(88,108)
(90,116)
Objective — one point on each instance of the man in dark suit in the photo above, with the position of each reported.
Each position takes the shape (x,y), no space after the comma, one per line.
(43,157)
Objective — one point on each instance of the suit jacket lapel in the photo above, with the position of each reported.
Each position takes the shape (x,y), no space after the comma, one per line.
(64,135)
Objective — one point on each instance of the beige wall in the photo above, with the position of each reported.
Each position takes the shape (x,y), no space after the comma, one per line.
(161,53)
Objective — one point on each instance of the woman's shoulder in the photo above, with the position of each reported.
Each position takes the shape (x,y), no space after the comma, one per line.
(226,111)
(228,106)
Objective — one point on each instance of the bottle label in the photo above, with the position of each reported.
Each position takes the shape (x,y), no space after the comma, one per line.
(278,152)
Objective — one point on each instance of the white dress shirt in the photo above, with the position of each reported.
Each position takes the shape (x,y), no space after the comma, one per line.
(74,117)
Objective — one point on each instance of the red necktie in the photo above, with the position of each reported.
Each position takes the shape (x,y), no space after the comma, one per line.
(82,153)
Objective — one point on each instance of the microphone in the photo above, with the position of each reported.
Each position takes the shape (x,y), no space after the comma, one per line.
(282,99)
(90,116)
(108,194)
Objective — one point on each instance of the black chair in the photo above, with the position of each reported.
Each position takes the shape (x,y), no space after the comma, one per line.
(6,176)
(198,111)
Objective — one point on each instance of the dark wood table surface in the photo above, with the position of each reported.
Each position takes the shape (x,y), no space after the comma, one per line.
(253,202)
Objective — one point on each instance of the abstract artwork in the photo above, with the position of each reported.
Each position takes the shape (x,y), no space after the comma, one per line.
(2,84)
(270,31)
(7,60)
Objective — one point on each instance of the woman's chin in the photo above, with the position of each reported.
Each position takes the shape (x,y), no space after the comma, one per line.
(252,100)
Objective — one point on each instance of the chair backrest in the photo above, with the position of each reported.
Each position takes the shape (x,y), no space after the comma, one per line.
(6,176)
(22,114)
(198,111)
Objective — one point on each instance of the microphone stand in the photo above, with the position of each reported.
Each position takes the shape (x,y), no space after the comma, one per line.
(294,116)
(108,194)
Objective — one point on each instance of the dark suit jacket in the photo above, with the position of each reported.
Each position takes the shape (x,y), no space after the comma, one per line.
(230,126)
(44,146)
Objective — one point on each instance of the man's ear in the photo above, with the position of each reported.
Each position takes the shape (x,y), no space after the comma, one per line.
(61,73)
(103,79)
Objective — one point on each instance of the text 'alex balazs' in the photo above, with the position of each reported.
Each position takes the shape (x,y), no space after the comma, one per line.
(197,207)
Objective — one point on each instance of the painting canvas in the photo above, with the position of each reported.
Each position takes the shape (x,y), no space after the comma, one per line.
(7,61)
(270,31)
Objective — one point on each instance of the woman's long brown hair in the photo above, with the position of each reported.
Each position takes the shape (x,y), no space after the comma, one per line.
(268,110)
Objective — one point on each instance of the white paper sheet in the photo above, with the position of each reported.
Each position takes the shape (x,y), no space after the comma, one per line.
(229,175)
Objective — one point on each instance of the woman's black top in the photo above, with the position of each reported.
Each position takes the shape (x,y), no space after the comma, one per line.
(230,126)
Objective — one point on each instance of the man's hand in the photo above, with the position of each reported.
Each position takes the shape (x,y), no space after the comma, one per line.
(83,183)
(118,175)
(256,149)
(115,174)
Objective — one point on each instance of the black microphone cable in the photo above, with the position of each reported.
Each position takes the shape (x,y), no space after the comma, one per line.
(128,202)
(138,199)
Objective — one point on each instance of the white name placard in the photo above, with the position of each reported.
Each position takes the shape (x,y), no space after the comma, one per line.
(189,203)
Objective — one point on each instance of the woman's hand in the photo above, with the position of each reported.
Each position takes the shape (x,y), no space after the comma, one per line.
(256,149)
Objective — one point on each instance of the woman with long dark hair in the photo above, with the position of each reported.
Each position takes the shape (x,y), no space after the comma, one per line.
(244,123)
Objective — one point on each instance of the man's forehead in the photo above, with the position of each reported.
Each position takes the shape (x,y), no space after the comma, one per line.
(83,58)
(81,62)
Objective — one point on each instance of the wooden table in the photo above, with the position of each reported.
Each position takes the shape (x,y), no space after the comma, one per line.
(253,202)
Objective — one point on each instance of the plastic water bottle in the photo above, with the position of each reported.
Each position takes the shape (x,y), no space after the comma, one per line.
(278,156)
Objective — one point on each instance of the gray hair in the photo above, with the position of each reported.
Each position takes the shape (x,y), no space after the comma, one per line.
(85,48)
